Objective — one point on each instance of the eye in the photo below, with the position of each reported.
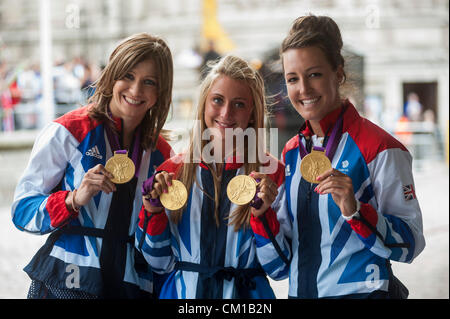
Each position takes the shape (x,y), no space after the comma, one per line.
(239,104)
(150,82)
(217,100)
(129,76)
(292,79)
(315,74)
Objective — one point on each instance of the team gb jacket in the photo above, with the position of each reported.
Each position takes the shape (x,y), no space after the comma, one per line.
(333,257)
(62,153)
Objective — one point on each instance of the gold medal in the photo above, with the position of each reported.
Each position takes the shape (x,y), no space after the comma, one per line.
(313,165)
(121,166)
(241,189)
(176,196)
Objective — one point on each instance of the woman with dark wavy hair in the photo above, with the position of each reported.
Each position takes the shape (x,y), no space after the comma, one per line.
(90,213)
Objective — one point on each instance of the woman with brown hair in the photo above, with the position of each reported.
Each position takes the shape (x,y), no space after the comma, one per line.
(215,248)
(91,211)
(360,210)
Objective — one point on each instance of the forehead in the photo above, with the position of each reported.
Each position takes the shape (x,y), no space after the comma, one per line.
(146,67)
(304,58)
(230,88)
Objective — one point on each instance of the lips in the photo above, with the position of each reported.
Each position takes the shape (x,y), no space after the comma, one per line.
(132,101)
(225,124)
(310,101)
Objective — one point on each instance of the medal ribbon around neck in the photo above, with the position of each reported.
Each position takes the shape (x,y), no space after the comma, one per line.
(319,160)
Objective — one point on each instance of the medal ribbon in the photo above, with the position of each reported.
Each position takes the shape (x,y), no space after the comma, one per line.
(335,136)
(136,155)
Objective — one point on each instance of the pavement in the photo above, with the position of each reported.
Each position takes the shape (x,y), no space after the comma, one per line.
(427,277)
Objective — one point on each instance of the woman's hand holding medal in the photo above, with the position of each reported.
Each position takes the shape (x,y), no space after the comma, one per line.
(95,180)
(243,189)
(160,184)
(172,194)
(268,192)
(340,186)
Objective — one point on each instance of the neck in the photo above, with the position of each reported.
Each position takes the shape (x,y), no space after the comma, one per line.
(127,133)
(317,129)
(315,124)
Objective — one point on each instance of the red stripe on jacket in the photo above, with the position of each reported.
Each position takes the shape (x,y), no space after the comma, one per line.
(370,138)
(78,122)
(57,210)
(369,213)
(258,227)
(164,147)
(157,223)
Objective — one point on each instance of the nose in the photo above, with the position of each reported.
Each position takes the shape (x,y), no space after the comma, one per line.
(226,111)
(135,88)
(303,85)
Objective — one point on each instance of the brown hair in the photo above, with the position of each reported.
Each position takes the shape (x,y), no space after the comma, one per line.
(126,56)
(320,31)
(238,69)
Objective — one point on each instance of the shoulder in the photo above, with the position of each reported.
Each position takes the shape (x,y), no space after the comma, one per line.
(292,144)
(78,122)
(275,169)
(164,147)
(173,164)
(369,137)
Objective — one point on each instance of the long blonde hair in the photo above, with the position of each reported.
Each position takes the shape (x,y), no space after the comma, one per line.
(126,56)
(237,69)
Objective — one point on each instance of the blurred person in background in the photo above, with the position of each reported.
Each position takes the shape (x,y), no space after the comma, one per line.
(212,248)
(209,56)
(363,211)
(67,192)
(413,108)
(10,96)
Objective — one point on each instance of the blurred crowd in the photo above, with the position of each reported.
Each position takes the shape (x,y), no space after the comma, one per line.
(21,90)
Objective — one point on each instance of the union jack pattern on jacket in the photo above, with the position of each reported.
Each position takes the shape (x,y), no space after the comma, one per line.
(333,257)
(63,152)
(196,239)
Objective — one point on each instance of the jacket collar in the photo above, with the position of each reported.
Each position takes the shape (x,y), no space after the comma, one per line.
(231,163)
(327,122)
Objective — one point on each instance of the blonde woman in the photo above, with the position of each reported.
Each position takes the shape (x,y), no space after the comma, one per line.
(212,247)
(67,192)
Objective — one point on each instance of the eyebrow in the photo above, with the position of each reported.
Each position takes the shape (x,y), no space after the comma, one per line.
(234,98)
(145,76)
(307,70)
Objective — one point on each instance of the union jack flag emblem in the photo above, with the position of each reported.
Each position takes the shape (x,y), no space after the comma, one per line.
(408,192)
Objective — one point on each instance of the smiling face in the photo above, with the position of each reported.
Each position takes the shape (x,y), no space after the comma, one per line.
(229,104)
(135,93)
(311,82)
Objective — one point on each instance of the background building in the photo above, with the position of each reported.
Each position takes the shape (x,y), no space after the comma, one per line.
(394,47)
